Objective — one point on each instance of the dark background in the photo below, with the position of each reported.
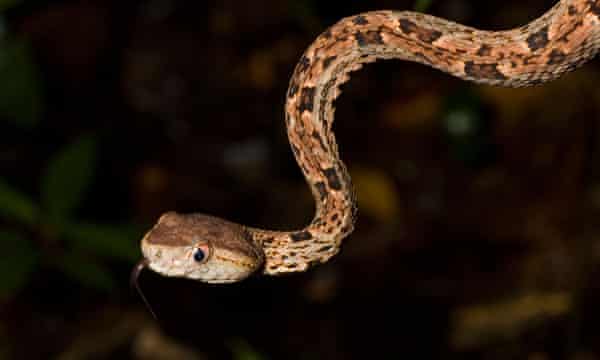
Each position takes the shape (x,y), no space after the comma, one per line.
(478,234)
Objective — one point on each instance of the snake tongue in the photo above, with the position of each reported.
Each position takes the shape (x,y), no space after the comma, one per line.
(133,282)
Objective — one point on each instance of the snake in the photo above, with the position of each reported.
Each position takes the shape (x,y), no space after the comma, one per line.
(214,250)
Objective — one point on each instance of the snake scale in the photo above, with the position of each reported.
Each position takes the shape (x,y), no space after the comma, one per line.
(214,250)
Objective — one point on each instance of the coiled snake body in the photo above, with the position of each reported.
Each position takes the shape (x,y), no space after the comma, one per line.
(217,251)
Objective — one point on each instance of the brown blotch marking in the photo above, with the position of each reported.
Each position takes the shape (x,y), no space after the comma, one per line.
(332,179)
(538,40)
(327,34)
(324,248)
(368,38)
(303,64)
(292,266)
(334,217)
(572,10)
(556,56)
(483,71)
(307,95)
(360,20)
(300,236)
(328,60)
(425,35)
(268,240)
(322,190)
(595,7)
(484,50)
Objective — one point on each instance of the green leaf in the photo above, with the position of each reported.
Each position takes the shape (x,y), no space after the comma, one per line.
(20,90)
(17,262)
(422,5)
(17,206)
(86,271)
(113,241)
(67,177)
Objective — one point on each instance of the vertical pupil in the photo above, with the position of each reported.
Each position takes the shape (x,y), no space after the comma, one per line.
(199,255)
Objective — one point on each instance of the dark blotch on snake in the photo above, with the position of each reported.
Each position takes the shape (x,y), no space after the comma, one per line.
(484,50)
(484,71)
(332,179)
(302,235)
(303,63)
(538,40)
(307,96)
(328,60)
(425,35)
(595,7)
(556,56)
(360,20)
(322,190)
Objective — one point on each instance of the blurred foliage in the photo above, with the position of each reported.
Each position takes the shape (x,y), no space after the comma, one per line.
(64,183)
(20,91)
(67,177)
(19,260)
(66,180)
(242,350)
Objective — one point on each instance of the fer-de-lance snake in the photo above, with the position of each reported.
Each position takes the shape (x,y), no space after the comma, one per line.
(213,250)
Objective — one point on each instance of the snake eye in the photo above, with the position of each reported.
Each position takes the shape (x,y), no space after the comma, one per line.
(199,255)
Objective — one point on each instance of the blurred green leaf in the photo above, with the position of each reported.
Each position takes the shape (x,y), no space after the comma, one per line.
(67,177)
(19,259)
(86,271)
(242,350)
(16,206)
(422,5)
(114,241)
(20,91)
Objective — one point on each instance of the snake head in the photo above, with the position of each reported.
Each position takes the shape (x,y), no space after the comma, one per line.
(200,247)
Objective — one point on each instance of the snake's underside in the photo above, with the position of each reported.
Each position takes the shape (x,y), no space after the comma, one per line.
(214,250)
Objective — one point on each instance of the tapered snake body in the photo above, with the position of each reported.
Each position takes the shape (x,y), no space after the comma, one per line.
(213,250)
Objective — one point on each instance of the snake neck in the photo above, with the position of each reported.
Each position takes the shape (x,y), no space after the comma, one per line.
(559,41)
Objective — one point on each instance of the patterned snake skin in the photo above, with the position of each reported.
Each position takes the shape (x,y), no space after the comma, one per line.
(214,250)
